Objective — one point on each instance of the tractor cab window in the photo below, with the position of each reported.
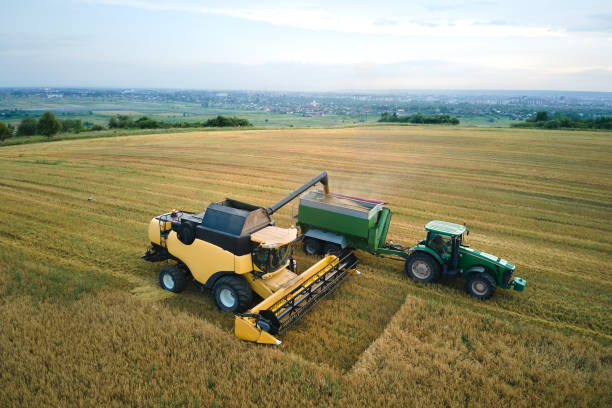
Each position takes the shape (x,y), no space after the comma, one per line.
(442,244)
(271,259)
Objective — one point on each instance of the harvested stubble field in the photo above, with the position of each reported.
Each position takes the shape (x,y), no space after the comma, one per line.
(83,320)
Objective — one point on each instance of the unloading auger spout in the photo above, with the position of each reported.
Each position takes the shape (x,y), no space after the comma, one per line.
(322,177)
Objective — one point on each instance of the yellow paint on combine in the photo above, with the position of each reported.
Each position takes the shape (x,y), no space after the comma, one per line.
(243,264)
(202,258)
(155,226)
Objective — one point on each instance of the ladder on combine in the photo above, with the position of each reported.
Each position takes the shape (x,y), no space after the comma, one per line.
(160,252)
(284,308)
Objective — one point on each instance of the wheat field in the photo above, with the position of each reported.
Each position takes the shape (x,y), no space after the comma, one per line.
(83,320)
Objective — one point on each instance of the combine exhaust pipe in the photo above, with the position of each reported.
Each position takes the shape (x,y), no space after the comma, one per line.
(322,177)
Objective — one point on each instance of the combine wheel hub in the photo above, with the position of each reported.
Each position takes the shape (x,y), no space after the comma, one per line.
(227,298)
(168,281)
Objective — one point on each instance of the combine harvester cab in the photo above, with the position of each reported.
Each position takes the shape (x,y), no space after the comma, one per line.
(234,249)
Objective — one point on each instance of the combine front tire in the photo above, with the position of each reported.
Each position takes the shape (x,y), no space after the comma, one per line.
(422,268)
(173,278)
(233,293)
(481,285)
(312,246)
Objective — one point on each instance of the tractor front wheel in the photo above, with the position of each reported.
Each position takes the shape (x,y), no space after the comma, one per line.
(481,285)
(172,278)
(422,268)
(233,293)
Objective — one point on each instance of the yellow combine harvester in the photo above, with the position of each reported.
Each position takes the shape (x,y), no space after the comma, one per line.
(234,249)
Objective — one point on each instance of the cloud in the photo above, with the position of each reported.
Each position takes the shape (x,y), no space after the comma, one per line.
(313,18)
(456,5)
(412,74)
(385,21)
(593,23)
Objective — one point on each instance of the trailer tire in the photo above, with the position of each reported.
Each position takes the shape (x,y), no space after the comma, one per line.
(312,246)
(332,249)
(173,278)
(232,293)
(480,285)
(422,268)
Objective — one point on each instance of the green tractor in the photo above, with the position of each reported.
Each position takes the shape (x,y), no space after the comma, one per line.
(444,253)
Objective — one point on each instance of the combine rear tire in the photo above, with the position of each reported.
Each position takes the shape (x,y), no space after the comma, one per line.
(481,285)
(332,249)
(422,267)
(312,246)
(173,278)
(233,293)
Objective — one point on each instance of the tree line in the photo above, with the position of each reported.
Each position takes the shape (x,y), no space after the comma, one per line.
(558,121)
(127,122)
(48,125)
(418,118)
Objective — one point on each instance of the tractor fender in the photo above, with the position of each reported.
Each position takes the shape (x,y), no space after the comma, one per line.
(215,277)
(475,270)
(428,251)
(327,237)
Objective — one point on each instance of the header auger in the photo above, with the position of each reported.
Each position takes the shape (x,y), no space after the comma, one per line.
(234,249)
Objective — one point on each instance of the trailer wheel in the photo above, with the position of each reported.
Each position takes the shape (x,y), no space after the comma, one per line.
(481,285)
(312,246)
(233,293)
(173,278)
(332,249)
(422,267)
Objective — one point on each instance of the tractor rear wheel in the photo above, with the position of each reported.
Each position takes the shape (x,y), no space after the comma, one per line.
(173,278)
(332,249)
(422,267)
(481,285)
(312,246)
(233,293)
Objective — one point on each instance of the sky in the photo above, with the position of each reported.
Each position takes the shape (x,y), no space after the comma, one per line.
(307,45)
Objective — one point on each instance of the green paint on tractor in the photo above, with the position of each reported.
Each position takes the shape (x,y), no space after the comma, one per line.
(334,222)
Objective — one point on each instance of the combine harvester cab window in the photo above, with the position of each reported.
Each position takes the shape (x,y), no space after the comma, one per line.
(271,259)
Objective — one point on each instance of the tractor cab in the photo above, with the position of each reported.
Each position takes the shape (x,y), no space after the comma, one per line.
(445,239)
